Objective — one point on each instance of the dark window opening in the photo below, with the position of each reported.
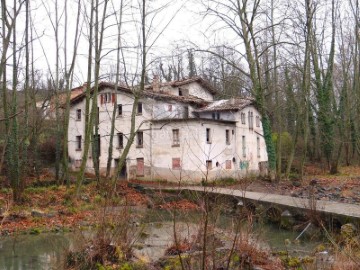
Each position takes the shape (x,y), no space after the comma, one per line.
(139,108)
(186,112)
(209,164)
(120,140)
(78,142)
(208,135)
(251,118)
(78,114)
(227,136)
(97,145)
(120,112)
(176,137)
(139,139)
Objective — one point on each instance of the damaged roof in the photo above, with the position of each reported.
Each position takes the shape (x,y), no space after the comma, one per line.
(194,119)
(227,105)
(201,81)
(147,93)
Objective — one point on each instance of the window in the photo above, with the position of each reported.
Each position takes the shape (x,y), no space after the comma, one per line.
(228,165)
(176,137)
(258,146)
(251,124)
(218,116)
(227,136)
(77,163)
(120,137)
(139,108)
(243,118)
(78,143)
(170,108)
(107,98)
(139,139)
(119,110)
(180,92)
(243,146)
(186,112)
(208,135)
(78,114)
(257,121)
(176,165)
(209,164)
(140,167)
(97,117)
(213,115)
(97,145)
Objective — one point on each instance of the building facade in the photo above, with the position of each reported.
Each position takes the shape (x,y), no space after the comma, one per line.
(182,134)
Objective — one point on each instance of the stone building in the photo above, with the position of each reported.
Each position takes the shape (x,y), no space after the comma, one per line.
(182,133)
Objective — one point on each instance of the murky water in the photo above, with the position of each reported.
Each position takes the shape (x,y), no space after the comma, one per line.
(47,250)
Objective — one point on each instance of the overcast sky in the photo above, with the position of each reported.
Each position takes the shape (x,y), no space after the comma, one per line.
(181,23)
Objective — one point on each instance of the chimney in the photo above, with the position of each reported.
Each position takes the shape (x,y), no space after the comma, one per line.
(156,83)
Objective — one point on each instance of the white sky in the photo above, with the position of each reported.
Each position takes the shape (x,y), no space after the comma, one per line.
(186,28)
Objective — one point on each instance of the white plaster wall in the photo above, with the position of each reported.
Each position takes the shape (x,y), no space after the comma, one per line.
(157,149)
(251,140)
(195,89)
(193,150)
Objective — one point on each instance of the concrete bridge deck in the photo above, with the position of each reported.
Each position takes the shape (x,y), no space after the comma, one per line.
(329,207)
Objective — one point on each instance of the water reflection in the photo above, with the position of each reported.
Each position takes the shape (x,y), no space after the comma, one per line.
(27,252)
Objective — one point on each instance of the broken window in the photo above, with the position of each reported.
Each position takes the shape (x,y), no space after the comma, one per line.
(218,116)
(176,137)
(119,110)
(176,165)
(120,137)
(139,139)
(208,135)
(213,115)
(227,136)
(209,164)
(78,143)
(139,108)
(78,114)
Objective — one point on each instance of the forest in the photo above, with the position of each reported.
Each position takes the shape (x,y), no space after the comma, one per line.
(299,61)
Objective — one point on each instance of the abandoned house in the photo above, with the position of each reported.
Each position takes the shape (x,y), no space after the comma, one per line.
(182,133)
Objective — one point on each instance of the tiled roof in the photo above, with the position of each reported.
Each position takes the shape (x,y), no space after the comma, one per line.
(169,120)
(197,79)
(148,93)
(227,105)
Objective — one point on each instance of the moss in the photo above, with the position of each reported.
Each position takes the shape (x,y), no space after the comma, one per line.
(35,231)
(294,262)
(307,260)
(320,248)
